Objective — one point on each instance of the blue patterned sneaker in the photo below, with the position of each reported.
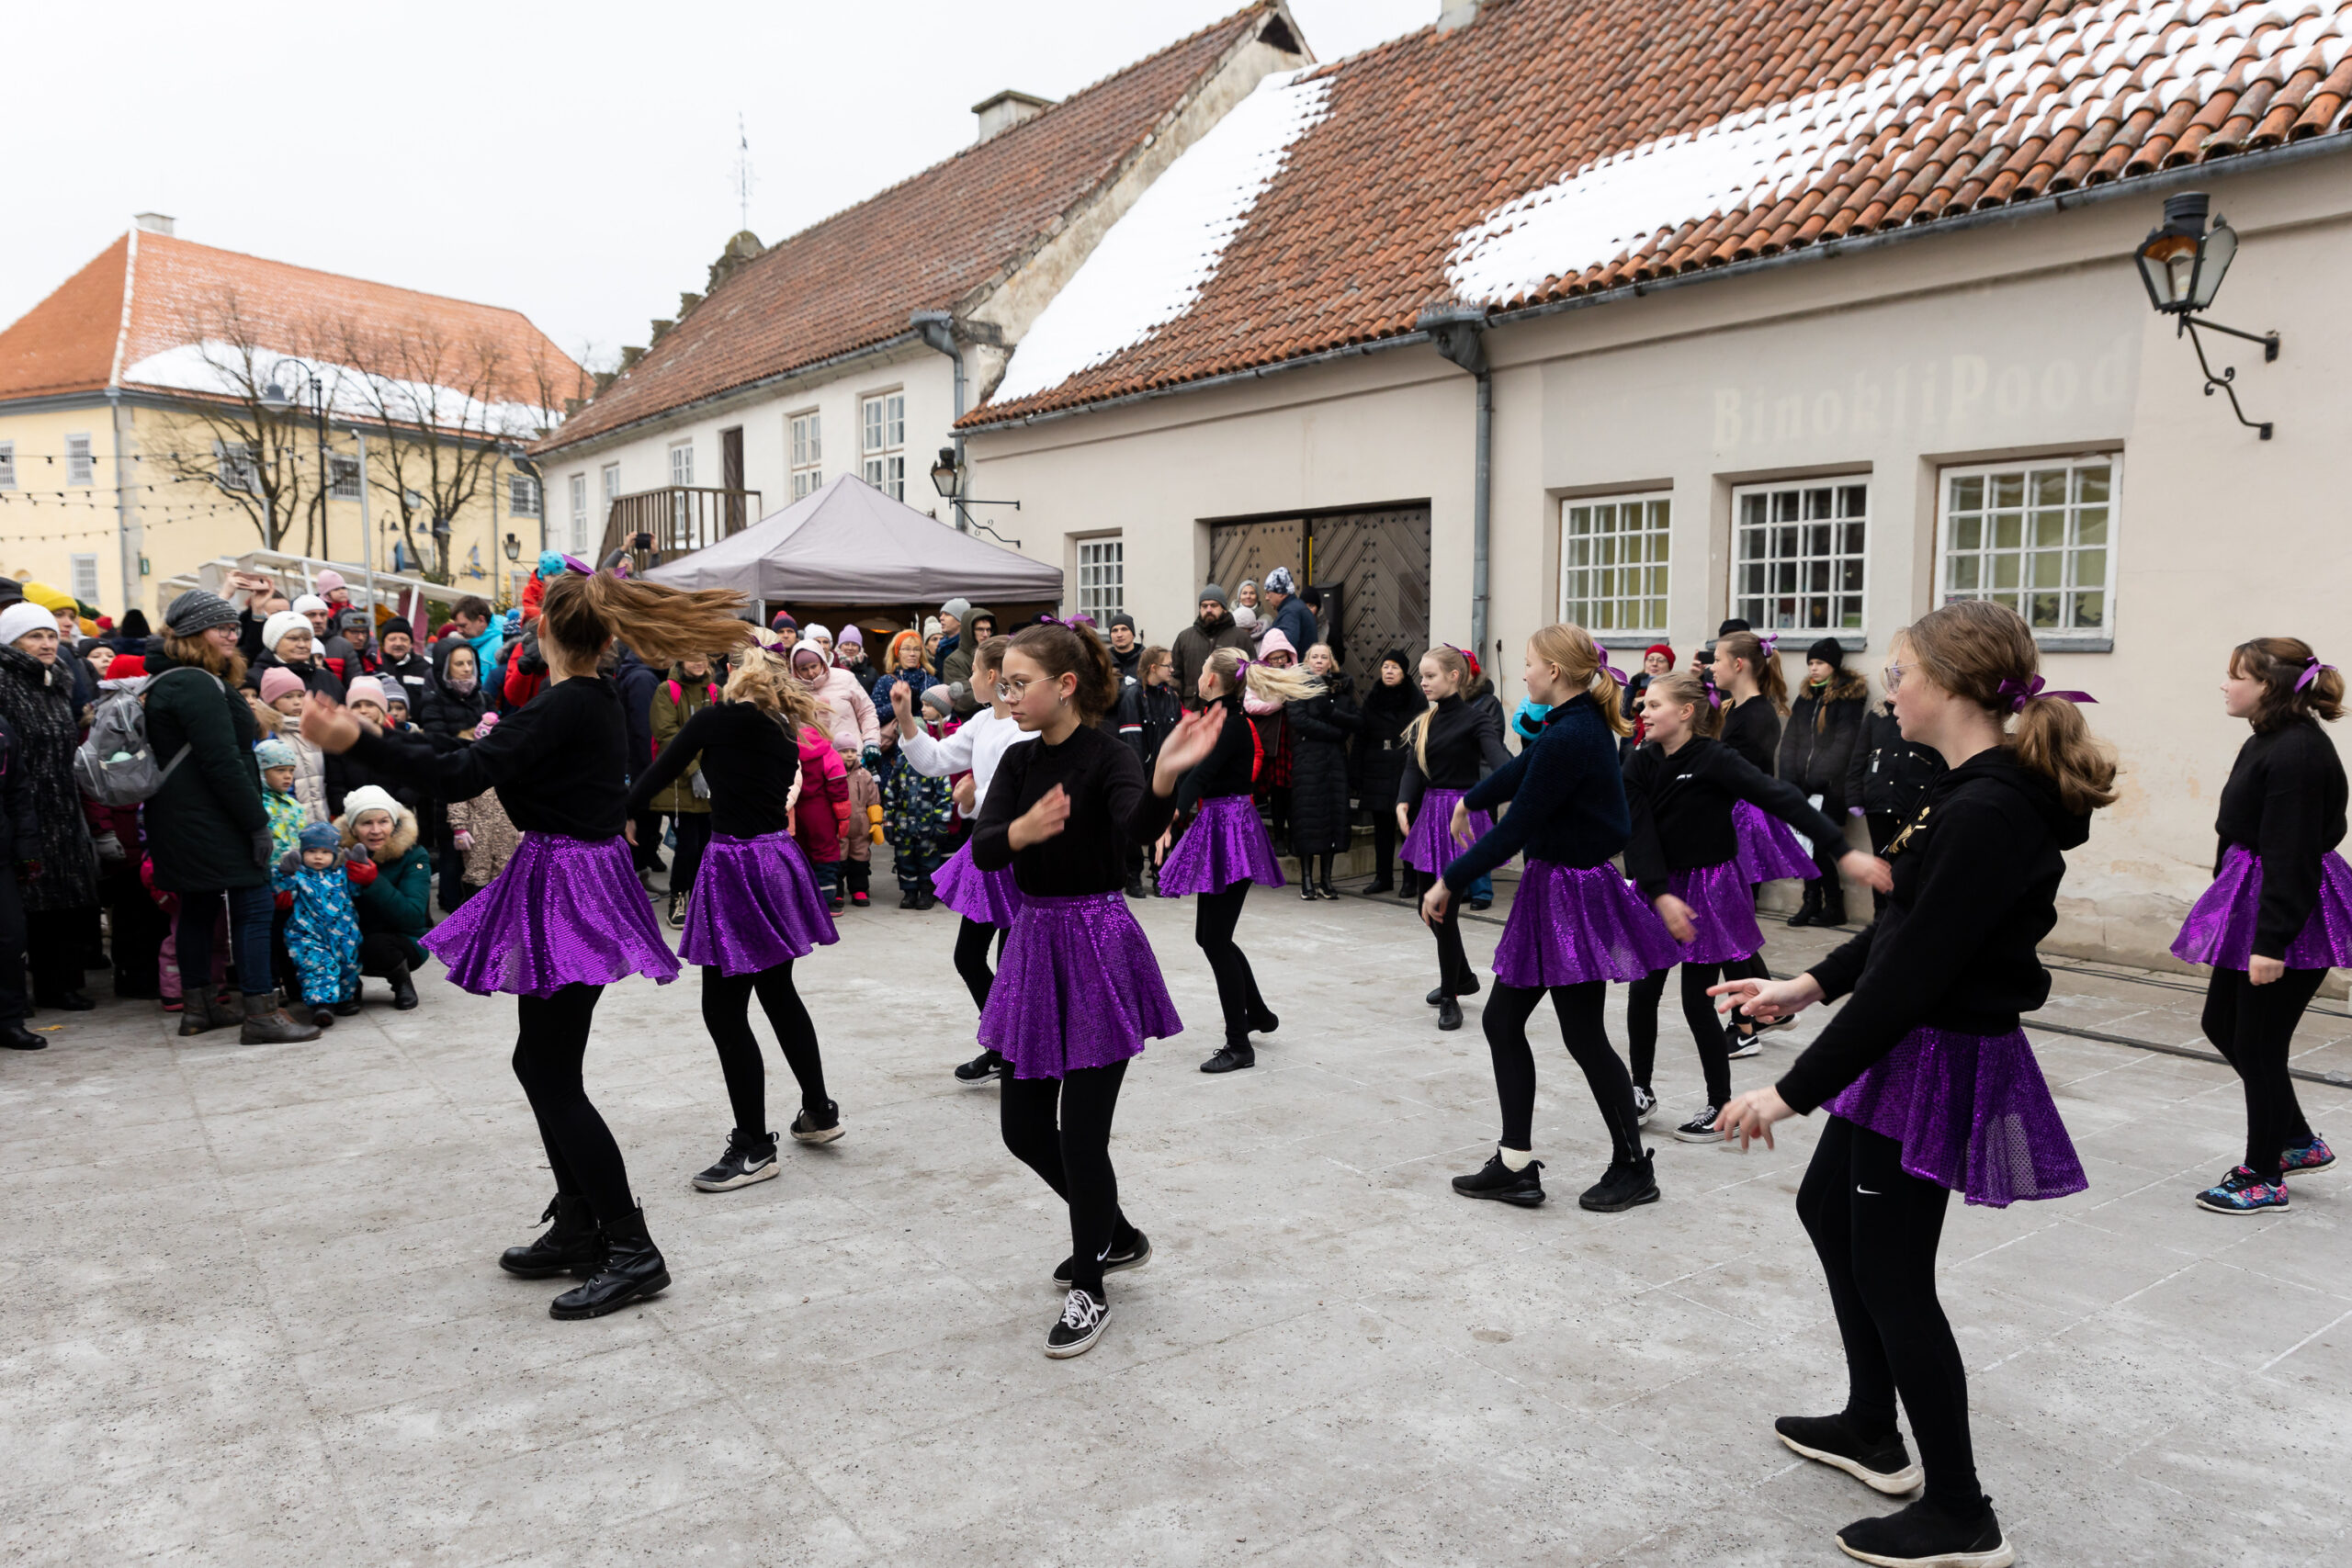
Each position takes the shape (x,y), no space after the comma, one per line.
(2242,1192)
(2303,1159)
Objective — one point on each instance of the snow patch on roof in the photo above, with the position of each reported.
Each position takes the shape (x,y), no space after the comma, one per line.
(232,370)
(1162,251)
(2129,55)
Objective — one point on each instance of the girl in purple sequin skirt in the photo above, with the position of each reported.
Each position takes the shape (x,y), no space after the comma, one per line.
(1930,1083)
(1446,749)
(2279,915)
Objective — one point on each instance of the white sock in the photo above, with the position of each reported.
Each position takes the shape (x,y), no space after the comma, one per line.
(1515,1159)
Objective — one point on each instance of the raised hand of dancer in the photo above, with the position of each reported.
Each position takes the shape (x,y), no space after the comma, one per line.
(1868,870)
(903,706)
(1460,827)
(628,831)
(1435,902)
(1041,821)
(966,793)
(2262,971)
(328,725)
(1194,738)
(1680,924)
(1751,1115)
(1765,1000)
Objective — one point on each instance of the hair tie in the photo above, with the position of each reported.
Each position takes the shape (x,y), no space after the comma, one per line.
(2020,693)
(1615,674)
(1770,642)
(1072,624)
(2311,667)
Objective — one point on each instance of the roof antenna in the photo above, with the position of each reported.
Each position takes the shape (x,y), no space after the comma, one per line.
(742,171)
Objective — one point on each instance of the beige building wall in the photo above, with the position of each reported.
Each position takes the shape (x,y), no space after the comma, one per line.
(2022,339)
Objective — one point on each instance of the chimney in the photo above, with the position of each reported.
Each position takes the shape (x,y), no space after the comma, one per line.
(1007,109)
(153,223)
(1453,13)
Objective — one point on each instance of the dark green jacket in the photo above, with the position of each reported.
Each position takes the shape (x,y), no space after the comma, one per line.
(400,901)
(200,825)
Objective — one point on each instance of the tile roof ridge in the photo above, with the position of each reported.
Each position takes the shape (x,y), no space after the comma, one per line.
(173,240)
(122,327)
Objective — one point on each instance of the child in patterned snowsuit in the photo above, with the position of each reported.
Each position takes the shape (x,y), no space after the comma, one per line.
(919,812)
(322,932)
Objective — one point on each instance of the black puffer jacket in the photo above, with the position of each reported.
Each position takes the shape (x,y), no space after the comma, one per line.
(1818,740)
(448,712)
(206,828)
(1320,726)
(37,700)
(1888,775)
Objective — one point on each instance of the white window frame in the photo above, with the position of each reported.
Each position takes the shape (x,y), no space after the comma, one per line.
(1102,578)
(1600,588)
(682,465)
(81,571)
(346,481)
(580,513)
(1799,583)
(235,469)
(805,450)
(7,465)
(522,496)
(2034,523)
(81,466)
(882,437)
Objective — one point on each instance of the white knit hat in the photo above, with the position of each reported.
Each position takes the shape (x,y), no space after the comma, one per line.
(23,616)
(815,630)
(310,602)
(278,625)
(367,798)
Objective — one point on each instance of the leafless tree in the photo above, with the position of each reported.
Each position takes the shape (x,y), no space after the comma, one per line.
(224,435)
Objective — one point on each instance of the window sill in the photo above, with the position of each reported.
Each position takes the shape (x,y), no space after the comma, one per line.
(2076,644)
(1635,640)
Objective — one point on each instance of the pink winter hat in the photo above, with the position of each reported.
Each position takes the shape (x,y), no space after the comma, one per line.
(278,682)
(366,689)
(329,582)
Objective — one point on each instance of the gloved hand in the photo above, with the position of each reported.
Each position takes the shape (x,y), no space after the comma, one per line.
(109,847)
(362,870)
(1528,720)
(260,843)
(284,901)
(464,839)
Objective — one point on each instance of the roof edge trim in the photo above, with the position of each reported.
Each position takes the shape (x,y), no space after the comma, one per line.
(122,328)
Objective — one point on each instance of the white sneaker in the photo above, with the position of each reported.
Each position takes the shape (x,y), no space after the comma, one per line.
(1080,1325)
(1701,1129)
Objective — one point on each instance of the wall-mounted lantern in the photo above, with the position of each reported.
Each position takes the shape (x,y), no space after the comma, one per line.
(2183,262)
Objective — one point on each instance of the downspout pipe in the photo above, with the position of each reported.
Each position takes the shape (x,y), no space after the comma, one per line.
(1459,331)
(937,329)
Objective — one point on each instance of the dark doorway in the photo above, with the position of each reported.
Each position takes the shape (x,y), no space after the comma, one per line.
(731,474)
(1378,561)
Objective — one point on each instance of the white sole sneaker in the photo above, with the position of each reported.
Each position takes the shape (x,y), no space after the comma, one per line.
(1739,1051)
(821,1135)
(1997,1557)
(1078,1347)
(1642,1113)
(1896,1485)
(764,1173)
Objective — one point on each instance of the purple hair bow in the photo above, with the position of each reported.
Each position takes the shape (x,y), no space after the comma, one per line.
(1073,623)
(1770,642)
(2020,693)
(575,564)
(1615,674)
(2311,672)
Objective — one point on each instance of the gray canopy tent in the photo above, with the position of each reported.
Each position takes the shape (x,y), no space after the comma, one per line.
(846,553)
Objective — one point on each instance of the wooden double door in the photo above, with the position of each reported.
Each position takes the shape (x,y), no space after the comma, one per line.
(1373,569)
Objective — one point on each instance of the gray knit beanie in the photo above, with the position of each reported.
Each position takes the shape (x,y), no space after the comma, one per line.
(196,611)
(1211,591)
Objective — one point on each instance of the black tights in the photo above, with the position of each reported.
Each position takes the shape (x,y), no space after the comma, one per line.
(1060,1128)
(1384,846)
(972,958)
(1587,1037)
(1307,865)
(550,1044)
(1454,976)
(1698,1011)
(726,1013)
(2253,1026)
(1876,1228)
(1214,917)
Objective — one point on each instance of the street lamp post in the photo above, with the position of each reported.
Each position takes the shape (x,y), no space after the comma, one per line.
(948,478)
(2182,263)
(275,400)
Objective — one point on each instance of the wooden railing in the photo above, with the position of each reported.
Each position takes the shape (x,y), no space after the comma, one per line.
(681,518)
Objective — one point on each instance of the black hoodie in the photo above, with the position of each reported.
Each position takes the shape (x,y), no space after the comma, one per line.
(1976,876)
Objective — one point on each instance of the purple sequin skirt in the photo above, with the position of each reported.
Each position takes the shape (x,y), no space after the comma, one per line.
(991,898)
(1769,851)
(1429,846)
(565,912)
(1973,1114)
(755,904)
(1722,906)
(1225,844)
(1078,988)
(1568,926)
(2220,929)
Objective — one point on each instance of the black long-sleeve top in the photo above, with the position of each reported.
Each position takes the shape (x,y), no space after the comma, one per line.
(1752,729)
(1976,880)
(559,762)
(1681,803)
(1465,740)
(2285,801)
(1111,806)
(749,759)
(1230,768)
(1566,794)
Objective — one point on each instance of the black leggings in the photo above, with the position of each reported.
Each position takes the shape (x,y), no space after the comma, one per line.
(726,1013)
(1453,975)
(2253,1026)
(694,837)
(1384,845)
(1876,1228)
(1060,1128)
(1214,917)
(550,1044)
(1587,1037)
(972,958)
(1698,1011)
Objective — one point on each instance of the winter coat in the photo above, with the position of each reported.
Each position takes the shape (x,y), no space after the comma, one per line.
(321,928)
(1380,743)
(955,665)
(677,699)
(203,826)
(918,810)
(822,810)
(917,682)
(287,817)
(526,669)
(495,836)
(1296,622)
(19,823)
(637,682)
(316,676)
(1320,726)
(1192,648)
(1143,717)
(398,902)
(847,713)
(36,700)
(1888,775)
(1814,751)
(447,711)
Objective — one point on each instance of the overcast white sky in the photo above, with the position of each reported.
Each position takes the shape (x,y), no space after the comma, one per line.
(575,161)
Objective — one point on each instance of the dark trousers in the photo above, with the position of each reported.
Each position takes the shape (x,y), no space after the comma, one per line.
(384,955)
(1214,917)
(694,837)
(2253,1026)
(138,935)
(1585,1035)
(550,1043)
(12,950)
(1060,1128)
(1875,1228)
(452,867)
(646,854)
(726,1013)
(1883,825)
(1384,847)
(1454,976)
(1698,1010)
(250,912)
(972,958)
(55,945)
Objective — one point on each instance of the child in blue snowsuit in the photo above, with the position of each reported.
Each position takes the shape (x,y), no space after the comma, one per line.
(322,932)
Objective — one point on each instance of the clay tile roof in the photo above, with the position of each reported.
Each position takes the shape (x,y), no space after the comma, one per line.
(850,281)
(1559,147)
(80,339)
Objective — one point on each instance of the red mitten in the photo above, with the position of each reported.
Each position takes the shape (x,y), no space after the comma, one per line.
(361,872)
(285,902)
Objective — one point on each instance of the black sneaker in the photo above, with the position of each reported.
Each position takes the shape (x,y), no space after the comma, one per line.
(1622,1186)
(1233,1058)
(1135,888)
(805,1129)
(1480,906)
(1449,1014)
(1700,1129)
(1133,1254)
(1739,1043)
(746,1160)
(986,1067)
(1494,1180)
(1436,997)
(1645,1106)
(1883,1464)
(1926,1535)
(1080,1325)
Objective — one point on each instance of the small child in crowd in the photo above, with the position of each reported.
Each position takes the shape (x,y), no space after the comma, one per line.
(919,812)
(167,972)
(280,716)
(822,815)
(287,817)
(322,930)
(481,829)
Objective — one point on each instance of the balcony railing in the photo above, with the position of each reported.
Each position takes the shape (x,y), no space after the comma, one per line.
(681,518)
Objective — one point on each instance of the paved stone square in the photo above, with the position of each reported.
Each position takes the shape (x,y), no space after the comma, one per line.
(253,1315)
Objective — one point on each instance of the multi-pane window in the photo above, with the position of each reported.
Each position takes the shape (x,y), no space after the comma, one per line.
(1798,555)
(234,466)
(884,417)
(580,514)
(7,465)
(807,441)
(79,468)
(1102,579)
(522,495)
(2039,538)
(86,578)
(1613,563)
(682,463)
(346,477)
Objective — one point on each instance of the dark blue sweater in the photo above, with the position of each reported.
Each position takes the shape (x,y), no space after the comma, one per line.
(1567,798)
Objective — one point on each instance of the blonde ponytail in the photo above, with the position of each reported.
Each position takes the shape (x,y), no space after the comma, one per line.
(1449,659)
(1570,651)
